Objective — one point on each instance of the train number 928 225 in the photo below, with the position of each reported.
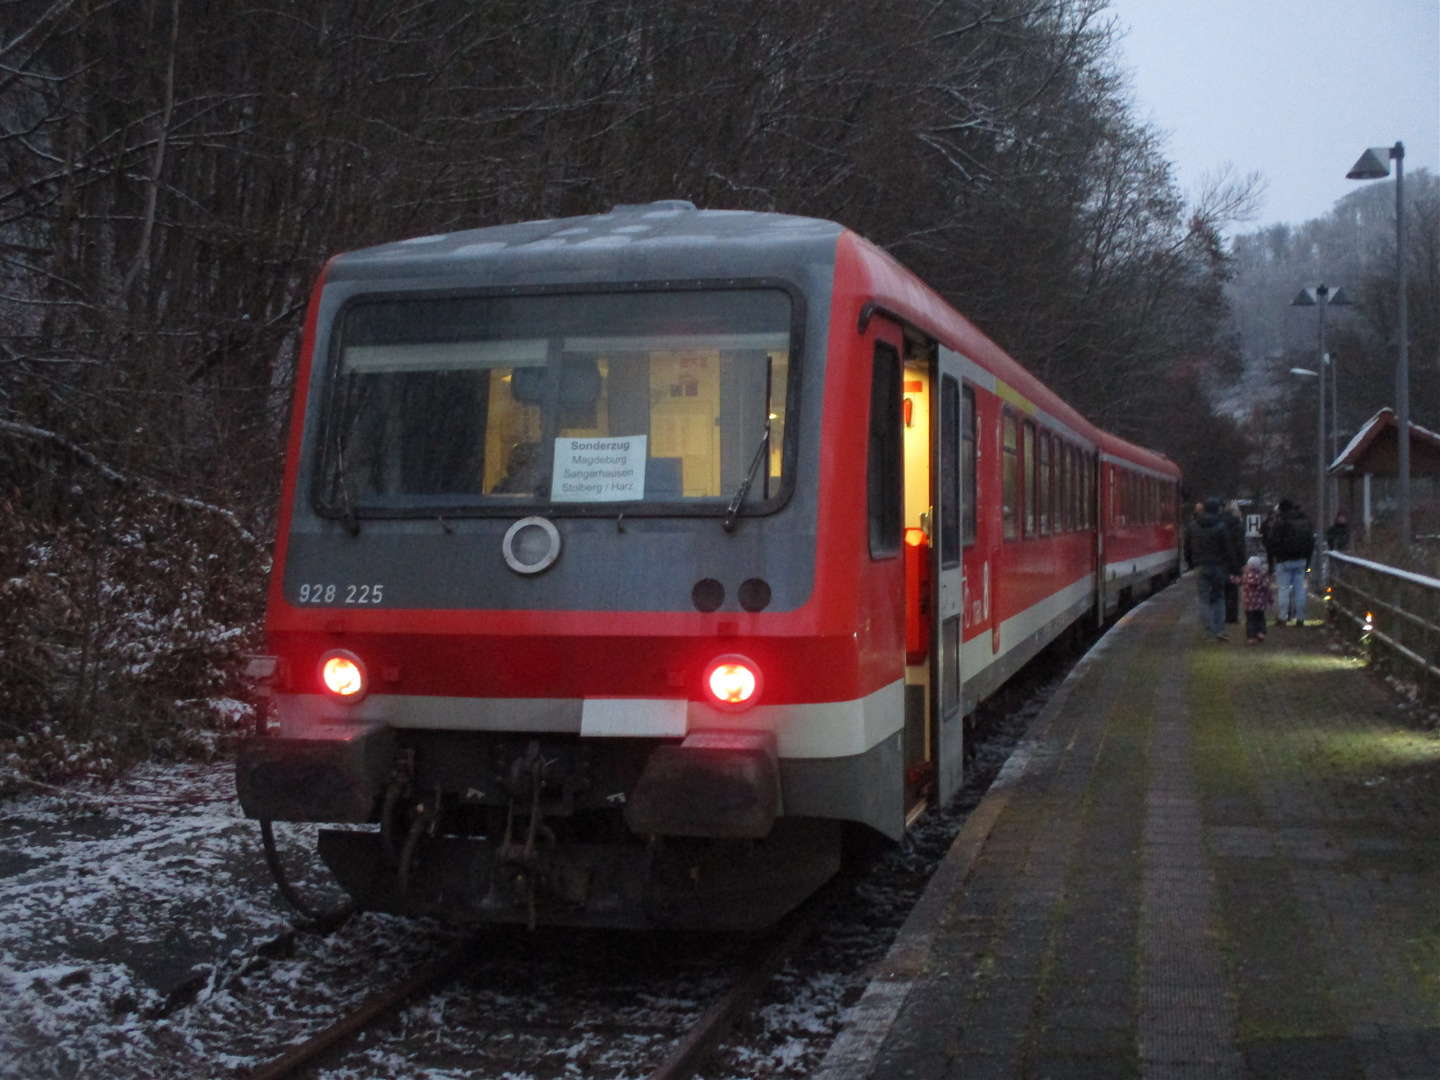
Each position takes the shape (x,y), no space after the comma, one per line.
(341,594)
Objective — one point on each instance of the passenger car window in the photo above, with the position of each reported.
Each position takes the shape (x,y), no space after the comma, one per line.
(1010,455)
(968,441)
(950,471)
(1028,475)
(885,453)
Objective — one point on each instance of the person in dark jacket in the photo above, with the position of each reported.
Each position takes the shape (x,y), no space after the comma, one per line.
(1289,545)
(1235,524)
(1208,549)
(1337,537)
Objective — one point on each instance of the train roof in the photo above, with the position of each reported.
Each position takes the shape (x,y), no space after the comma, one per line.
(649,241)
(897,289)
(1140,455)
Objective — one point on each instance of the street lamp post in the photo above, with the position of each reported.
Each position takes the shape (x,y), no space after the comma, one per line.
(1374,164)
(1319,518)
(1322,297)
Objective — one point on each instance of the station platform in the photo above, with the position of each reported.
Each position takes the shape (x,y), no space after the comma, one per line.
(1204,860)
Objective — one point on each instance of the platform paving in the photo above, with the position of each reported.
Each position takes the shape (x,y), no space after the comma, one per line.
(1206,860)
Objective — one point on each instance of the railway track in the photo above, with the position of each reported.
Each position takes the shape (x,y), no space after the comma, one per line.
(759,967)
(315,1047)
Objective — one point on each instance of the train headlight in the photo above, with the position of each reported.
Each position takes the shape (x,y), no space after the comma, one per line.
(733,682)
(343,674)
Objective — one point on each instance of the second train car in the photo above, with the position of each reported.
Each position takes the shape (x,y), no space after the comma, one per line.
(626,562)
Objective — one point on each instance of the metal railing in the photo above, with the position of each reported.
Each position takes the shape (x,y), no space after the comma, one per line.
(1395,608)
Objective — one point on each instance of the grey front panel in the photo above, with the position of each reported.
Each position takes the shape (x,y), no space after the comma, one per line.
(643,564)
(638,564)
(868,788)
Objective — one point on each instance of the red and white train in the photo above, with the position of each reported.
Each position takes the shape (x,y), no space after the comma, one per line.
(622,560)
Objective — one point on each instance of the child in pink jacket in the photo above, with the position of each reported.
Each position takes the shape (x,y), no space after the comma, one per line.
(1256,594)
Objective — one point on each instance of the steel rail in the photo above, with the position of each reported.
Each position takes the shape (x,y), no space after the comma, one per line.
(1397,578)
(452,963)
(1409,654)
(693,1047)
(1345,584)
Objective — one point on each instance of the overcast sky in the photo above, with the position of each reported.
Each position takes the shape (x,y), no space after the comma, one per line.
(1294,88)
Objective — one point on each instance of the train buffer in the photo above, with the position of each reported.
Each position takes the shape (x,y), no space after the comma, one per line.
(1204,860)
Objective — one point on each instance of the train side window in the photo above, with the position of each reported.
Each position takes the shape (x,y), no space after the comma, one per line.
(1072,487)
(1063,520)
(1092,492)
(1028,477)
(1047,477)
(968,442)
(1062,484)
(1072,510)
(886,460)
(949,471)
(1078,498)
(1010,457)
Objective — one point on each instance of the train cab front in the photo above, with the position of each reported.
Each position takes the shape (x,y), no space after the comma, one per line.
(542,610)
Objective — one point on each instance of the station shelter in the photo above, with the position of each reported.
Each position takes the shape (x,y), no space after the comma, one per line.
(1368,469)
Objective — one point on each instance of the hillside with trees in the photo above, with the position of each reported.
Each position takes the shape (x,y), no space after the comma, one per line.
(173,178)
(1352,247)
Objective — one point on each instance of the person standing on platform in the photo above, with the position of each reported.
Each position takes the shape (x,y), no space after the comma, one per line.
(1337,537)
(1258,594)
(1290,545)
(1208,551)
(1235,524)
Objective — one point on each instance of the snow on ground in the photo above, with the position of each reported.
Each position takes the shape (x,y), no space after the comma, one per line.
(141,936)
(133,919)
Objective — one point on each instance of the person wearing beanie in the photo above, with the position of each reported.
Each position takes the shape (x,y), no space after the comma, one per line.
(1208,550)
(1290,545)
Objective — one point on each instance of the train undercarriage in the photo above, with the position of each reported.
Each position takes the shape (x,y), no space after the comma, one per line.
(554,830)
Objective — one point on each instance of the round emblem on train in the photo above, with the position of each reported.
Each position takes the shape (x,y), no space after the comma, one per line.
(531,545)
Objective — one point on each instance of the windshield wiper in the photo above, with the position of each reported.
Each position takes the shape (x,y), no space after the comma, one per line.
(733,510)
(352,523)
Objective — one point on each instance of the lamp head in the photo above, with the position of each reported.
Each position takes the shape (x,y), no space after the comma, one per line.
(1373,164)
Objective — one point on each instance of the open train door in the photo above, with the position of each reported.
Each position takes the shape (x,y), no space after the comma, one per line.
(948,547)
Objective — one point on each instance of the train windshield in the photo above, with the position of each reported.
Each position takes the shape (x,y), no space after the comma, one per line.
(563,401)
